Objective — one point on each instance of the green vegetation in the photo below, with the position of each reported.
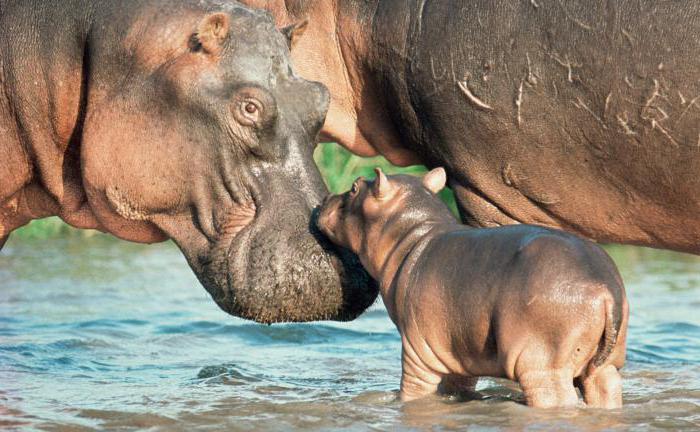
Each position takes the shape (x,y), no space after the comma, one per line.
(339,168)
(52,227)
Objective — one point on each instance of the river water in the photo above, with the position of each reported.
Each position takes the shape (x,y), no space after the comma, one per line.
(101,334)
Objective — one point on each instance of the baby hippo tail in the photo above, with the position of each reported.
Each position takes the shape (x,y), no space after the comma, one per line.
(601,383)
(613,323)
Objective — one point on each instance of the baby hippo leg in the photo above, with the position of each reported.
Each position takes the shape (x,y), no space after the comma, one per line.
(546,382)
(602,385)
(603,388)
(458,385)
(417,380)
(548,388)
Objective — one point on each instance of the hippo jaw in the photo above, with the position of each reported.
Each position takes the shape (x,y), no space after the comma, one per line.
(270,264)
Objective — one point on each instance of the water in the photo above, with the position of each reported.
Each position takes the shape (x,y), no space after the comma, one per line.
(100,334)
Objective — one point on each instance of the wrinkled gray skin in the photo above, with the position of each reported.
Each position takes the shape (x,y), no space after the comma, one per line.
(135,118)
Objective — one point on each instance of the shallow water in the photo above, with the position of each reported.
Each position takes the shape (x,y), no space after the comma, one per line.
(100,334)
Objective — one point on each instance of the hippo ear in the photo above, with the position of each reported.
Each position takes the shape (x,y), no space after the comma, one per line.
(435,180)
(382,189)
(211,33)
(294,31)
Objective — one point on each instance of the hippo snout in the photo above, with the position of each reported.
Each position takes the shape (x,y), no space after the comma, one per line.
(323,97)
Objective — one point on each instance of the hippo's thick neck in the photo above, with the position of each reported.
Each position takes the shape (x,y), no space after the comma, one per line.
(384,252)
(389,255)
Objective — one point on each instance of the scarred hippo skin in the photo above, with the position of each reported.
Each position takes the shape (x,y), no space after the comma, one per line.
(572,114)
(532,304)
(161,119)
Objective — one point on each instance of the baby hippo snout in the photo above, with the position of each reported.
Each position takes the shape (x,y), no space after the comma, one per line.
(538,306)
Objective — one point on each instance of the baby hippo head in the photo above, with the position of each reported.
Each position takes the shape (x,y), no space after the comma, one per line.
(386,205)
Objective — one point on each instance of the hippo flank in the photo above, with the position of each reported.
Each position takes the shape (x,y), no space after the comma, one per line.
(577,115)
(155,120)
(535,305)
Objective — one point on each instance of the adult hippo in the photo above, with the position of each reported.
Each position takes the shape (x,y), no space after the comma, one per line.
(158,119)
(573,114)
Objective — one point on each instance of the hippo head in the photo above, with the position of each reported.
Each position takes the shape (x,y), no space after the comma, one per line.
(197,129)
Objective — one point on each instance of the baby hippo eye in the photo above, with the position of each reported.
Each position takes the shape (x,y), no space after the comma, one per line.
(355,189)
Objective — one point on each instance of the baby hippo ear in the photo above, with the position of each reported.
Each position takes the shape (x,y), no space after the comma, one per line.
(382,189)
(294,31)
(435,180)
(211,33)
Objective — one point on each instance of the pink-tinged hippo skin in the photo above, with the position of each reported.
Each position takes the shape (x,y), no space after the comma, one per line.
(535,305)
(157,119)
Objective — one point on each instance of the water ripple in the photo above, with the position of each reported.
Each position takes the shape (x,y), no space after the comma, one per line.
(93,345)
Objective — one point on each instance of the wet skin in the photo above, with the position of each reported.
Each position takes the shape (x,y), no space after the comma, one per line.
(535,305)
(155,120)
(571,115)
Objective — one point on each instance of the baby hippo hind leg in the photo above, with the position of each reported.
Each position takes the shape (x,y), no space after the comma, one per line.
(601,384)
(603,388)
(548,388)
(543,374)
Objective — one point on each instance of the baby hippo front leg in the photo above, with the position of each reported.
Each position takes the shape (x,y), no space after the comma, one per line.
(423,375)
(417,379)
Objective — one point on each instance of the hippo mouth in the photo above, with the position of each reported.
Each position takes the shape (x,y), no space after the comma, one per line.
(269,266)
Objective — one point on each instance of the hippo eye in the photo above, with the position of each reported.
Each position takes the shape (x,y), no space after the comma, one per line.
(250,111)
(354,189)
(251,108)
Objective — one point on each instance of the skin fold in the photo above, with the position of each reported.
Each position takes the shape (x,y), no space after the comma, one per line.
(155,120)
(531,304)
(572,115)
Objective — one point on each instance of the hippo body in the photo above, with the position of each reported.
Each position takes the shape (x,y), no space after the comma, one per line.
(531,304)
(574,115)
(182,120)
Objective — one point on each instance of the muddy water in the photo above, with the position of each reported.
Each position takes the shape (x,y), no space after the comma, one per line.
(98,334)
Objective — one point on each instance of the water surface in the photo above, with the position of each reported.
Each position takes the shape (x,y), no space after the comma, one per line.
(101,334)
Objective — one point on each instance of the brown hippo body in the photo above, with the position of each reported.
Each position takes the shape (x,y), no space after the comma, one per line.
(532,304)
(577,115)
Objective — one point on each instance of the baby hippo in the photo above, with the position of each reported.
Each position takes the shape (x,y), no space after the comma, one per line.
(535,305)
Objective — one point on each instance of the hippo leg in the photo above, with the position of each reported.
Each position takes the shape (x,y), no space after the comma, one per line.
(603,388)
(417,381)
(459,385)
(548,388)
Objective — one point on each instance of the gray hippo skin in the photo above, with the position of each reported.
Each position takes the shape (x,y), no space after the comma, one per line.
(532,304)
(183,120)
(573,114)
